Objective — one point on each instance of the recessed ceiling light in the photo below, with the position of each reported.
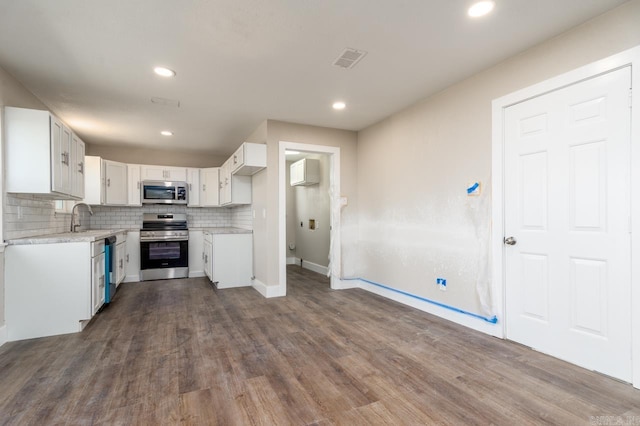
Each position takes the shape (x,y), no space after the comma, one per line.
(339,105)
(164,72)
(480,8)
(166,133)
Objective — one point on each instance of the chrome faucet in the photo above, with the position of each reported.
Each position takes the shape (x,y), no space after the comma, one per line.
(74,227)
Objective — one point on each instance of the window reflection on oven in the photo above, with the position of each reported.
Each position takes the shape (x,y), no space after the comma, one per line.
(161,251)
(163,254)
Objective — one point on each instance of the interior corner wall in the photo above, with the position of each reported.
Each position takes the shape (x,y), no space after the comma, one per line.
(12,93)
(266,196)
(416,222)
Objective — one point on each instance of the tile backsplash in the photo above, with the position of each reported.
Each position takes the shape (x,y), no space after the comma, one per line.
(29,215)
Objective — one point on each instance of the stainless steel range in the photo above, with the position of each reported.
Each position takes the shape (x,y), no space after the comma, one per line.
(164,246)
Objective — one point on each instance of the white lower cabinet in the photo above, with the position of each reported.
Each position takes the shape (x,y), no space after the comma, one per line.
(208,262)
(228,259)
(196,254)
(120,267)
(98,280)
(52,288)
(132,258)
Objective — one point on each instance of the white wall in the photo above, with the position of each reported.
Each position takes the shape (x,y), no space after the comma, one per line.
(266,194)
(416,222)
(312,202)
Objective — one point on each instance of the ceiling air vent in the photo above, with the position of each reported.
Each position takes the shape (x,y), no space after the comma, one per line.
(166,102)
(349,58)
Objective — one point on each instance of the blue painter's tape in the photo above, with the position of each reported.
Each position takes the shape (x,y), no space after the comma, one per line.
(492,320)
(473,187)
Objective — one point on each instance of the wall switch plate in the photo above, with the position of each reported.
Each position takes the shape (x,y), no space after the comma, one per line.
(442,283)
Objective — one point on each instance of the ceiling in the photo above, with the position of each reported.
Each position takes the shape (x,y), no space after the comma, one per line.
(239,62)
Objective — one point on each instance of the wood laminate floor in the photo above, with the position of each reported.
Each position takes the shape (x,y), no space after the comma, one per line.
(179,352)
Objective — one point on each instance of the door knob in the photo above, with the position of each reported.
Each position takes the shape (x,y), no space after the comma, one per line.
(510,241)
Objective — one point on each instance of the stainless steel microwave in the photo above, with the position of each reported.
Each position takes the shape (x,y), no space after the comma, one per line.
(161,192)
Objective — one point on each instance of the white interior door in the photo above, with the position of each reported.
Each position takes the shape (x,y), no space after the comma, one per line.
(568,275)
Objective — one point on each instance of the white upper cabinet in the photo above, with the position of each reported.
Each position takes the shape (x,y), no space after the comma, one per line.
(234,189)
(77,166)
(39,154)
(305,172)
(209,187)
(193,184)
(106,182)
(134,185)
(93,193)
(164,173)
(249,159)
(115,183)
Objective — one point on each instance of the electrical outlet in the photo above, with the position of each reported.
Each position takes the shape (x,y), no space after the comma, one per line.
(442,283)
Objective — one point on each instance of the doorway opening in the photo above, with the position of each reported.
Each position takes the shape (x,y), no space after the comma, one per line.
(309,212)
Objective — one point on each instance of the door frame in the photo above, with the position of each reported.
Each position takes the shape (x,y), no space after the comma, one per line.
(630,58)
(335,263)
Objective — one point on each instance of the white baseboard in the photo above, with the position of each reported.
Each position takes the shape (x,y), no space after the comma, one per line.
(315,267)
(293,261)
(131,278)
(3,335)
(269,291)
(196,274)
(338,284)
(453,315)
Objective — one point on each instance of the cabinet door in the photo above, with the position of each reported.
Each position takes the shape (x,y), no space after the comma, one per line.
(115,183)
(132,258)
(297,172)
(153,173)
(133,185)
(232,260)
(209,187)
(120,266)
(193,181)
(237,159)
(176,174)
(77,166)
(60,158)
(97,283)
(208,261)
(196,254)
(225,183)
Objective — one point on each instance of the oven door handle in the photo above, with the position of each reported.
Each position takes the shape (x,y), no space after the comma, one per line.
(161,239)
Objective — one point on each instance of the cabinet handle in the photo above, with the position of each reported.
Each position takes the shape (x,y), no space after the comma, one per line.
(81,167)
(226,181)
(64,158)
(190,188)
(127,257)
(204,187)
(101,281)
(121,264)
(206,258)
(220,185)
(109,182)
(235,159)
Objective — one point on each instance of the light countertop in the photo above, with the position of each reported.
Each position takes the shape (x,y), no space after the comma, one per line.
(68,237)
(223,230)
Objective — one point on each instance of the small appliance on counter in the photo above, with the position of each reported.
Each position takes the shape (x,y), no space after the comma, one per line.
(164,246)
